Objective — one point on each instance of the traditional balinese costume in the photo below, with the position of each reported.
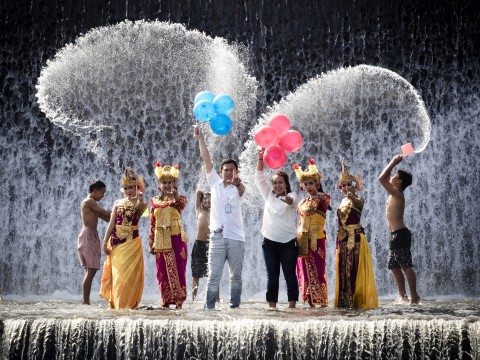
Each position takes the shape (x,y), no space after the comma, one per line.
(123,270)
(311,238)
(167,239)
(355,281)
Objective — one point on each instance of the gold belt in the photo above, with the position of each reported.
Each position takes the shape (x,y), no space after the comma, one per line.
(125,231)
(350,230)
(163,235)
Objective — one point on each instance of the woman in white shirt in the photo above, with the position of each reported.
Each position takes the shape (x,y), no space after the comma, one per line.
(279,231)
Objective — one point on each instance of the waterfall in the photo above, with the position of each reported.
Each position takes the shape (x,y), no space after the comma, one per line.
(88,97)
(241,339)
(89,86)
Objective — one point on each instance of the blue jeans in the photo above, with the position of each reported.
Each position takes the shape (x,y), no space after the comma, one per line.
(221,250)
(285,254)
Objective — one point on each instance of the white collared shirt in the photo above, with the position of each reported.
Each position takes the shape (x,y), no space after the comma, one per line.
(279,218)
(226,208)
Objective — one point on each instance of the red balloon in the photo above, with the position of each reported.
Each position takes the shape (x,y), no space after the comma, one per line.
(266,136)
(280,123)
(274,157)
(291,141)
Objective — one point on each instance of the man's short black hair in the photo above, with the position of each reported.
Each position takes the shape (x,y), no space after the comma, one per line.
(406,178)
(228,161)
(97,185)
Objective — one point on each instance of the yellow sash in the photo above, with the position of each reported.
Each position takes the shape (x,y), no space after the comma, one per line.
(350,230)
(125,231)
(311,227)
(167,223)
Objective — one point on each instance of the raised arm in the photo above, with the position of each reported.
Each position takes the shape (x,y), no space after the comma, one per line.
(260,159)
(384,177)
(198,201)
(260,180)
(141,204)
(203,150)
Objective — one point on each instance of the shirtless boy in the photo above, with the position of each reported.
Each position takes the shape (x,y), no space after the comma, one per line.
(200,247)
(88,241)
(400,260)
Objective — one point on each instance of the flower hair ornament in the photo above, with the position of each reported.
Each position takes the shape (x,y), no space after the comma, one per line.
(311,173)
(346,177)
(167,172)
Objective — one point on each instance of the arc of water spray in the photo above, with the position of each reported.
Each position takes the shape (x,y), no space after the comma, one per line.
(318,95)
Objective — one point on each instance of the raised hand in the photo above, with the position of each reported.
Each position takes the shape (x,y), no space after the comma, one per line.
(197,132)
(397,159)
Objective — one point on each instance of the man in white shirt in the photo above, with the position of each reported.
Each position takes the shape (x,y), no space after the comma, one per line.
(227,242)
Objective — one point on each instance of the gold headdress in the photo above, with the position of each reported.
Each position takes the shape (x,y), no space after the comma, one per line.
(167,172)
(130,178)
(345,177)
(311,173)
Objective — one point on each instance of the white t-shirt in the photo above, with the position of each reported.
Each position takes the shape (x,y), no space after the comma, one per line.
(226,208)
(279,218)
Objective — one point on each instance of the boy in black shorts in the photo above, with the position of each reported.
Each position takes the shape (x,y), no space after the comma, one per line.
(400,260)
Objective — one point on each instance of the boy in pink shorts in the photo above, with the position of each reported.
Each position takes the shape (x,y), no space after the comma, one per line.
(88,247)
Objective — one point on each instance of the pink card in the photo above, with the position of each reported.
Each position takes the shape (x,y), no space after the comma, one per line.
(407,149)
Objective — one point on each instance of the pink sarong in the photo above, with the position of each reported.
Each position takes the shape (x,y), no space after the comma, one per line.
(171,273)
(88,246)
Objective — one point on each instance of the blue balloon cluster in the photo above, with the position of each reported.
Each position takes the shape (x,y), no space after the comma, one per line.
(215,110)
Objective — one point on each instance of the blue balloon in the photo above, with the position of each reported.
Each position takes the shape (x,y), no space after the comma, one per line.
(223,104)
(221,124)
(203,95)
(204,110)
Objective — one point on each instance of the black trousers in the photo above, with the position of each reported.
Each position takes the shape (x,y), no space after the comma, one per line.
(284,254)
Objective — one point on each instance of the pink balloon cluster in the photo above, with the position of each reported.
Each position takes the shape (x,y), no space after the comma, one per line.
(276,139)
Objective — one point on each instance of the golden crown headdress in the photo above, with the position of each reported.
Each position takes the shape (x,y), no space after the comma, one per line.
(167,172)
(346,177)
(311,173)
(130,178)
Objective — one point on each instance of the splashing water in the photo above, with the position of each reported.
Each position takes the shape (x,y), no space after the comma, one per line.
(133,84)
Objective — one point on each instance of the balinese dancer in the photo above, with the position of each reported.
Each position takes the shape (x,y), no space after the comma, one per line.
(355,281)
(312,237)
(167,239)
(123,270)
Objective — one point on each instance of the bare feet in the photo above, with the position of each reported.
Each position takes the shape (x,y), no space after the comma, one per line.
(310,302)
(194,287)
(291,304)
(415,299)
(272,304)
